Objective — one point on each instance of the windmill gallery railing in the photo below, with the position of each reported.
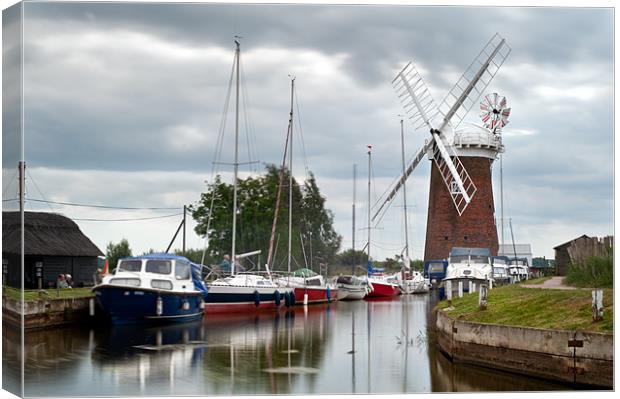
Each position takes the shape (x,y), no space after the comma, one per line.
(478,139)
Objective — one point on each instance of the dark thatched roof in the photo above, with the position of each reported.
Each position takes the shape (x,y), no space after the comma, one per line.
(45,234)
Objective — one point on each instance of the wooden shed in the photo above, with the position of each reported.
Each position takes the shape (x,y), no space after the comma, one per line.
(53,245)
(562,257)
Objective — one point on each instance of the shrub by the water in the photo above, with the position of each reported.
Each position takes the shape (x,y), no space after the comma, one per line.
(596,271)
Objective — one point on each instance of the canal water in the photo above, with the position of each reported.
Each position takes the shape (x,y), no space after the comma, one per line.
(346,347)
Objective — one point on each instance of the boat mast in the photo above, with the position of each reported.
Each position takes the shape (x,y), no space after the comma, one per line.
(236,163)
(369,159)
(290,179)
(501,197)
(402,145)
(353,210)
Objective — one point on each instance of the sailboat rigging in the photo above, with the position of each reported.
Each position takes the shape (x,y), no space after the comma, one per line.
(242,291)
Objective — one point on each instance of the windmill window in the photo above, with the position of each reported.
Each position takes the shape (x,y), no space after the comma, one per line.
(454,188)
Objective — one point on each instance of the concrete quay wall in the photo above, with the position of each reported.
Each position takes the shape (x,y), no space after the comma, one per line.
(45,312)
(575,357)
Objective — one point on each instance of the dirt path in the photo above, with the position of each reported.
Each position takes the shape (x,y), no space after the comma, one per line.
(554,283)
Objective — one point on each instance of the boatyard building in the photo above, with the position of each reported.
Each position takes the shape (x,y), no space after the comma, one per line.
(53,245)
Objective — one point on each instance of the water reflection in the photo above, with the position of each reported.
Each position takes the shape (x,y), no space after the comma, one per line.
(347,347)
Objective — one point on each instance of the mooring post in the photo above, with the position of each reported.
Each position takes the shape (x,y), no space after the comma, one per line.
(470,286)
(482,297)
(448,289)
(474,287)
(597,305)
(460,289)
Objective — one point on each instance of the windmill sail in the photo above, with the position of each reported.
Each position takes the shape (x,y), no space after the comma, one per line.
(415,97)
(401,180)
(419,105)
(421,109)
(474,81)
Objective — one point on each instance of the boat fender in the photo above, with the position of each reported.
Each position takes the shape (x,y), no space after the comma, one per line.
(159,306)
(256,298)
(292,296)
(287,299)
(328,293)
(370,287)
(277,297)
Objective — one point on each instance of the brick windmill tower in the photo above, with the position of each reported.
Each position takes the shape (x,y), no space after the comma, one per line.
(461,212)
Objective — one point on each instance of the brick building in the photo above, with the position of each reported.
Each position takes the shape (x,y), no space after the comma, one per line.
(477,148)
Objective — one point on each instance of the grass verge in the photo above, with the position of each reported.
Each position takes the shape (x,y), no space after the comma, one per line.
(33,295)
(535,307)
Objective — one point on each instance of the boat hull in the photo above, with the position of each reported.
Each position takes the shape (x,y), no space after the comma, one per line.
(382,290)
(226,299)
(315,294)
(133,305)
(351,293)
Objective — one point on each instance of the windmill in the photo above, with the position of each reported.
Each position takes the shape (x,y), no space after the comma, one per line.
(461,158)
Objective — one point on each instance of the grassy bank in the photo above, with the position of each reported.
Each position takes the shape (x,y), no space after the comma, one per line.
(595,271)
(535,307)
(33,295)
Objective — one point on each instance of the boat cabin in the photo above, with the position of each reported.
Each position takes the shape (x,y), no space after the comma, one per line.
(501,273)
(435,270)
(154,271)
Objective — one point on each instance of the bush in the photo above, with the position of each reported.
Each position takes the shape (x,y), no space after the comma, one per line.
(596,271)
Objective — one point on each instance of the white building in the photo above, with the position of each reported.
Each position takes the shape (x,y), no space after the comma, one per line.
(522,250)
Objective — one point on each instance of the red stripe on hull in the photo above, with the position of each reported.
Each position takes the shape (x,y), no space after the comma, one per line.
(315,295)
(217,308)
(383,290)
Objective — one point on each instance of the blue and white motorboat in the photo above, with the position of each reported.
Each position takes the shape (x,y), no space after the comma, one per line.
(152,288)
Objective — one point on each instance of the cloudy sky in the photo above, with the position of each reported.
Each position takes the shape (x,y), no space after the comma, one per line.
(123,104)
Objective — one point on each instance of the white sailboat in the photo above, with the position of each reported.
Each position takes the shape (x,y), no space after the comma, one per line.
(307,286)
(352,287)
(410,281)
(241,292)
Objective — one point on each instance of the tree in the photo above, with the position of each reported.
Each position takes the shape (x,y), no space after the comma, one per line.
(351,257)
(116,251)
(256,197)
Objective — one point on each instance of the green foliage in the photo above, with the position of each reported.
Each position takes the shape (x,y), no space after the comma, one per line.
(256,198)
(351,258)
(596,271)
(116,251)
(417,264)
(195,255)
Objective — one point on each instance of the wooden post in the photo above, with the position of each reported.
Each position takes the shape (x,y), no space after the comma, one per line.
(460,289)
(597,305)
(448,289)
(474,287)
(470,286)
(482,297)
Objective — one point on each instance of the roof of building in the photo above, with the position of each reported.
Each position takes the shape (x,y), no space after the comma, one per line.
(510,249)
(570,242)
(45,233)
